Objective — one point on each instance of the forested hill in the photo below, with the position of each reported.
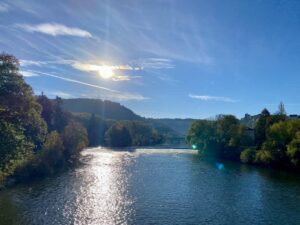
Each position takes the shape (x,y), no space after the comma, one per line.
(105,109)
(115,111)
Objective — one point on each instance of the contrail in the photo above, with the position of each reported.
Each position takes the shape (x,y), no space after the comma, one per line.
(75,81)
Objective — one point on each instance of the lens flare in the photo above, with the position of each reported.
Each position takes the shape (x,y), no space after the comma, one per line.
(106,72)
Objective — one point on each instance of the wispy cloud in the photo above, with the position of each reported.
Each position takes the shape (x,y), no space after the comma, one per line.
(61,94)
(4,7)
(212,98)
(25,73)
(110,93)
(24,62)
(75,81)
(55,29)
(154,63)
(106,71)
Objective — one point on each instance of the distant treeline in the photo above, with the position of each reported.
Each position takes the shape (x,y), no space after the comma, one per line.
(38,137)
(118,133)
(274,141)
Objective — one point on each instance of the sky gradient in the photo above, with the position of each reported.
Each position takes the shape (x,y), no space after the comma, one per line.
(161,58)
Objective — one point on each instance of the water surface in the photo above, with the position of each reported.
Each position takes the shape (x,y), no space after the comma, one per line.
(154,186)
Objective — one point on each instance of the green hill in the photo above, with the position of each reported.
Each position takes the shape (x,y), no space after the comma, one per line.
(103,108)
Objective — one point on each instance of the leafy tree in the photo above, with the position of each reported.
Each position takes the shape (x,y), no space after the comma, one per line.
(203,135)
(264,157)
(230,136)
(261,127)
(54,115)
(279,137)
(226,128)
(240,138)
(75,138)
(118,136)
(47,110)
(15,149)
(248,155)
(51,157)
(22,128)
(61,118)
(293,150)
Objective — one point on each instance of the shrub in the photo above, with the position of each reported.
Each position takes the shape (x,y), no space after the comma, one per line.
(264,157)
(248,155)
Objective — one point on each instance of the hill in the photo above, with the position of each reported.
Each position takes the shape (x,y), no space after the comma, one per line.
(103,108)
(109,110)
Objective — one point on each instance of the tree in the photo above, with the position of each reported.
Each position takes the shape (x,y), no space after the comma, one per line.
(261,127)
(22,128)
(227,127)
(281,109)
(232,136)
(264,157)
(118,136)
(293,150)
(203,135)
(279,136)
(75,138)
(52,155)
(61,118)
(47,110)
(248,155)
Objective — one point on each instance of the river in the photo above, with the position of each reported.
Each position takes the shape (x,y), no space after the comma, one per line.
(154,186)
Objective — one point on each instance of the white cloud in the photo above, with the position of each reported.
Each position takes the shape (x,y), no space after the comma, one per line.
(4,7)
(28,73)
(55,29)
(212,98)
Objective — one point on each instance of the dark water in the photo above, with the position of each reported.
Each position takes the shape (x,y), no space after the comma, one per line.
(154,187)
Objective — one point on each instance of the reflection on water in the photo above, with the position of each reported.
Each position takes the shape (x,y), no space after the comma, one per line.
(154,186)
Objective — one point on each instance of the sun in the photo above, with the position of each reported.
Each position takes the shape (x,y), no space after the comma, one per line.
(106,72)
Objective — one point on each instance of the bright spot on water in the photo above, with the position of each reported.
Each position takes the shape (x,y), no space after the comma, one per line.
(194,146)
(220,166)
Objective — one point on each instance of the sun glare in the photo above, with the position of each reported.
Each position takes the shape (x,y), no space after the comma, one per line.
(105,72)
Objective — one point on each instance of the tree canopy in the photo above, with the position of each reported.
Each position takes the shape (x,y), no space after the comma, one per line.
(26,147)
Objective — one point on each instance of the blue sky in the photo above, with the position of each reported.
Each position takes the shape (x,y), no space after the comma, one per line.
(160,58)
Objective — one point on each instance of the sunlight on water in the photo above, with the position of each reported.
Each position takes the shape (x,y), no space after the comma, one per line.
(102,196)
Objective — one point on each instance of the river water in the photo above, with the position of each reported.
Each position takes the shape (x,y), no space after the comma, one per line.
(154,186)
